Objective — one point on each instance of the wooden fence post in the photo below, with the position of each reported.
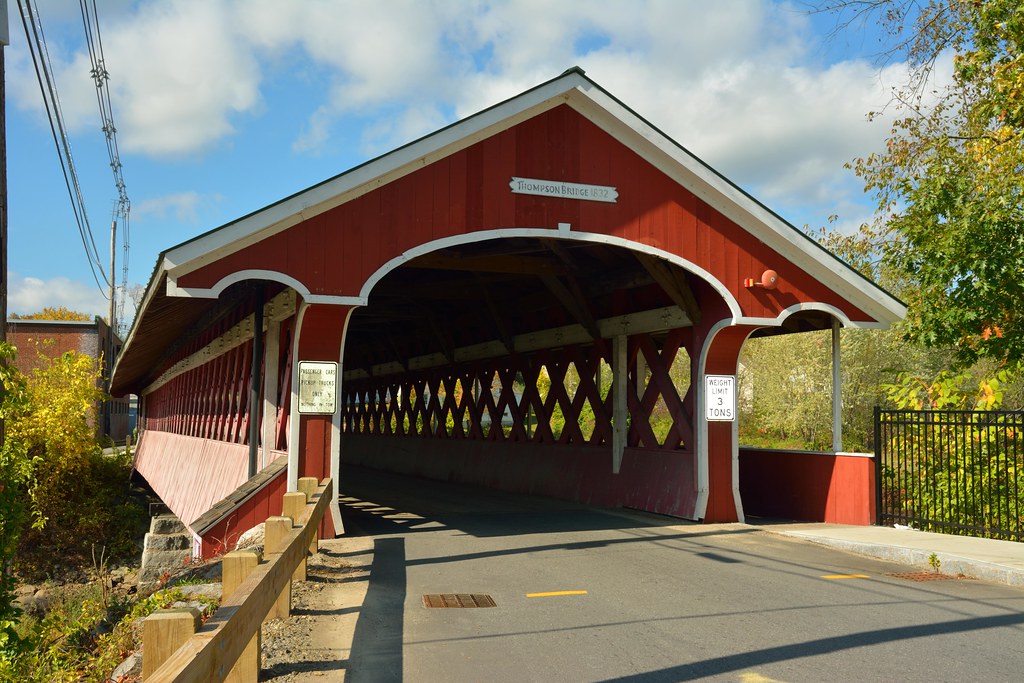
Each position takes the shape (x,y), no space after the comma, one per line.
(276,531)
(235,567)
(211,654)
(163,632)
(293,505)
(308,485)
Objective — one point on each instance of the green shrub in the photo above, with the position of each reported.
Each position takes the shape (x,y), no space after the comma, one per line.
(54,475)
(87,503)
(83,637)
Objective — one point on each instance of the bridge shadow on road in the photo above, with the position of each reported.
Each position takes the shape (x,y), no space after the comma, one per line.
(376,654)
(753,659)
(376,503)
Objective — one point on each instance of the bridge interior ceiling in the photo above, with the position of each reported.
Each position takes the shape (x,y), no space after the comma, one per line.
(497,292)
(802,321)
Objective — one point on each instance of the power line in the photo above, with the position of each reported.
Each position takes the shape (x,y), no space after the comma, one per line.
(48,88)
(101,77)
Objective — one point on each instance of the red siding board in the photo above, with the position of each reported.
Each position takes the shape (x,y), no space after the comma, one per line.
(489,177)
(439,201)
(189,474)
(578,473)
(468,191)
(223,536)
(812,487)
(458,187)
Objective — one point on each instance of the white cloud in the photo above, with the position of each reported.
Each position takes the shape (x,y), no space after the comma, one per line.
(27,295)
(390,132)
(735,81)
(182,207)
(178,72)
(186,71)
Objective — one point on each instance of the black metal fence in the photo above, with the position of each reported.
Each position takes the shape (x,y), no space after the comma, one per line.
(951,471)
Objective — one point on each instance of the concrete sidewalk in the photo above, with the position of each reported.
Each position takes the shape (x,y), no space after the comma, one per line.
(980,558)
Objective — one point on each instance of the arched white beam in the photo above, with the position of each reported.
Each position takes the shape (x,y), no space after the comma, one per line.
(703,461)
(703,464)
(547,233)
(833,311)
(294,427)
(485,235)
(257,274)
(294,430)
(339,526)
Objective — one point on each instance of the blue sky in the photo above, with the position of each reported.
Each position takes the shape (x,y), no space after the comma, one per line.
(225,106)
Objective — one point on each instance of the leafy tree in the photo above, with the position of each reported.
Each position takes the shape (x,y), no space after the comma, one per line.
(15,472)
(949,182)
(786,388)
(50,313)
(76,496)
(948,391)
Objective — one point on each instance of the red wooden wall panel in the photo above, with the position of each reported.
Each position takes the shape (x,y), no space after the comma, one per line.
(335,252)
(812,487)
(663,482)
(267,502)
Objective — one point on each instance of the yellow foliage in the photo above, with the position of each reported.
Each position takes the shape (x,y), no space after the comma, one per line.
(55,428)
(51,313)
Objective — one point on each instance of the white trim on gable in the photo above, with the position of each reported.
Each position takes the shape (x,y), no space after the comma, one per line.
(257,226)
(548,233)
(592,102)
(258,274)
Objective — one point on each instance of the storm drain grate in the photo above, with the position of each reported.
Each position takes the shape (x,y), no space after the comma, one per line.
(458,600)
(926,576)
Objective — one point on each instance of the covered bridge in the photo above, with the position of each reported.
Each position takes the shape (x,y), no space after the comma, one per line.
(549,296)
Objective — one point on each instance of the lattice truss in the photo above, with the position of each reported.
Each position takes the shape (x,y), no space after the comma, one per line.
(553,396)
(212,400)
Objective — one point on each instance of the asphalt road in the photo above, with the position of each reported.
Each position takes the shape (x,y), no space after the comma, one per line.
(590,595)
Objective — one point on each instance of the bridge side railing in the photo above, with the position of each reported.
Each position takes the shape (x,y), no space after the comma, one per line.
(226,647)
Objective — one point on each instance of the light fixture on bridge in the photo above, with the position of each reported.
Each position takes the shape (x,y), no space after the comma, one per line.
(769,280)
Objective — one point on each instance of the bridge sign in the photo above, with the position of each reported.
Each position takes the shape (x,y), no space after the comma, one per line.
(318,387)
(720,398)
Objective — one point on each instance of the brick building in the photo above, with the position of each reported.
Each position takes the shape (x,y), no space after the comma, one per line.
(91,337)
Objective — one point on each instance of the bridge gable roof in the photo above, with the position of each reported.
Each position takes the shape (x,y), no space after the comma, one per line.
(572,89)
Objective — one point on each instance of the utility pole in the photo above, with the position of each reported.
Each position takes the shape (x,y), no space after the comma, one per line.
(109,351)
(5,40)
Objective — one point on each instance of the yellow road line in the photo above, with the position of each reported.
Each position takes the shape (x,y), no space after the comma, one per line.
(551,594)
(756,678)
(846,576)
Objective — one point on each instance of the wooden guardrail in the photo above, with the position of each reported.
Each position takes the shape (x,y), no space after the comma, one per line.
(226,648)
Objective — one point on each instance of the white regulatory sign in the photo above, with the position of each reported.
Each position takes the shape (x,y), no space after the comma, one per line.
(720,398)
(318,387)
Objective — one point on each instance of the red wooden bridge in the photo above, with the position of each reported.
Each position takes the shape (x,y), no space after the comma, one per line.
(535,298)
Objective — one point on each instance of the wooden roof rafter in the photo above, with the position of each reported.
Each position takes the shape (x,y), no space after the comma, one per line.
(673,281)
(570,296)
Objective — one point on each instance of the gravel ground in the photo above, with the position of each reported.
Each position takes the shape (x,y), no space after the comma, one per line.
(314,642)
